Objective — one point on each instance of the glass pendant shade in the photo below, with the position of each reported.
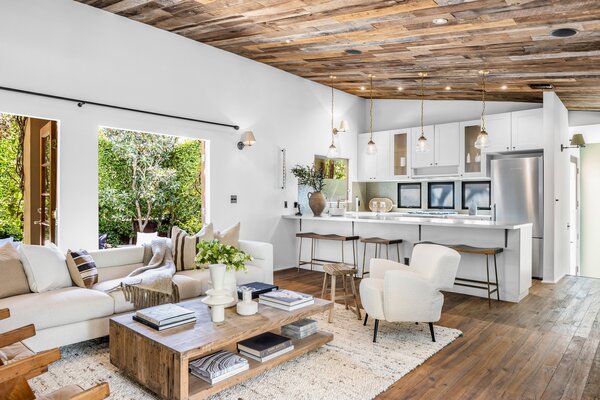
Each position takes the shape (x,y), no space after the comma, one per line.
(371,147)
(422,144)
(483,140)
(334,148)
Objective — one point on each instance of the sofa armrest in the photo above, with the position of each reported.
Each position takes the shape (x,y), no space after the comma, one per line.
(262,254)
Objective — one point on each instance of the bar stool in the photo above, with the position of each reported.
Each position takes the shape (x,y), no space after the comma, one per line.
(331,237)
(344,271)
(379,243)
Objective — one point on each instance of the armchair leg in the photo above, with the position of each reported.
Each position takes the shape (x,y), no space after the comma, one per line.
(432,332)
(375,332)
(366,318)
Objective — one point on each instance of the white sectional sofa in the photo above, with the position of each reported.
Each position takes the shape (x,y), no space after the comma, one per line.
(73,314)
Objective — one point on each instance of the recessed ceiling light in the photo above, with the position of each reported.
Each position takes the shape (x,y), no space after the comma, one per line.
(400,88)
(362,88)
(503,87)
(564,32)
(288,40)
(440,21)
(448,88)
(353,52)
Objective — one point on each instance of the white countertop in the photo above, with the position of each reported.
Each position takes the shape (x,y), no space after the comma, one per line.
(371,218)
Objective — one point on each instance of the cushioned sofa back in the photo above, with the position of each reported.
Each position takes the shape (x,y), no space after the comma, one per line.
(117,263)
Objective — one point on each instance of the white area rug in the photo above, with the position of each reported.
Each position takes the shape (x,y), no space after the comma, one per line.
(350,367)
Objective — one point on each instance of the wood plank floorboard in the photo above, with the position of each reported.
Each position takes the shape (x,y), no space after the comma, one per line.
(546,347)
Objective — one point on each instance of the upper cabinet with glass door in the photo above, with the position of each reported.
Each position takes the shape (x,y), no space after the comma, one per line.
(400,156)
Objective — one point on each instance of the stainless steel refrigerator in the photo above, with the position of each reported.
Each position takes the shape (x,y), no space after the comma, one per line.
(518,196)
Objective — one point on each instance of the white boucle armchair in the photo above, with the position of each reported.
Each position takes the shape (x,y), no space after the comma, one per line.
(396,292)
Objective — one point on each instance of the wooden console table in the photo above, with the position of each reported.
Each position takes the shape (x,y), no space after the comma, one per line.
(158,360)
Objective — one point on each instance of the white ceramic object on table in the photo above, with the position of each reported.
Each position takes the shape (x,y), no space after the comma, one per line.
(247,306)
(217,297)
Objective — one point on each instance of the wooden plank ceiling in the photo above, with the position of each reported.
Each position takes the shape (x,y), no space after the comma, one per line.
(309,38)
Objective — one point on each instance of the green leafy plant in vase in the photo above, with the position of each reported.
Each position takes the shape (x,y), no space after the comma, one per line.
(315,178)
(222,261)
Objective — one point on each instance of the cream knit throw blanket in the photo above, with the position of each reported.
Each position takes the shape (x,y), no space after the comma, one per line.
(152,284)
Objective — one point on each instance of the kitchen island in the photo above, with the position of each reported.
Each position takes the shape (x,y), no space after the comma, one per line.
(514,263)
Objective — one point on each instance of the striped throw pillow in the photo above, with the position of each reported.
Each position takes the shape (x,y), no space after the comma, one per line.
(82,268)
(185,246)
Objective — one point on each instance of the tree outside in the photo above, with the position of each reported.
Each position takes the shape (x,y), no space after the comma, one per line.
(147,183)
(12,182)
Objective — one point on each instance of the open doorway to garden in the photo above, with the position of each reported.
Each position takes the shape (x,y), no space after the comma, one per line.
(28,179)
(148,183)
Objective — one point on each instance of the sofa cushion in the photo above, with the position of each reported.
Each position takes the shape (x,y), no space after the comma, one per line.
(82,268)
(185,246)
(45,267)
(56,308)
(14,280)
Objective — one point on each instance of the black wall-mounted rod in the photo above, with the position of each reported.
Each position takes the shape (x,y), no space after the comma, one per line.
(81,103)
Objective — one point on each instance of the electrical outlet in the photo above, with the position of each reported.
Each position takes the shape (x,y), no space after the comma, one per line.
(295,204)
(233,199)
(285,204)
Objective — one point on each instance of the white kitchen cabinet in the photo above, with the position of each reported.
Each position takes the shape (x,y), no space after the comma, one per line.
(447,145)
(498,127)
(400,153)
(374,166)
(422,159)
(527,130)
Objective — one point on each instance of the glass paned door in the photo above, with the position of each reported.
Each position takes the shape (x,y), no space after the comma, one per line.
(47,210)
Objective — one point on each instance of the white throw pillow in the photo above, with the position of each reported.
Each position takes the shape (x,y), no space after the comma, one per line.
(145,238)
(45,267)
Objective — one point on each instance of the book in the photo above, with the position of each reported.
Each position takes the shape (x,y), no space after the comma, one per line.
(163,327)
(302,324)
(285,307)
(286,297)
(218,366)
(264,344)
(296,335)
(164,314)
(257,289)
(269,357)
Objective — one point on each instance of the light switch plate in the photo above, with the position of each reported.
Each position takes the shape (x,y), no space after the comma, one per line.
(233,199)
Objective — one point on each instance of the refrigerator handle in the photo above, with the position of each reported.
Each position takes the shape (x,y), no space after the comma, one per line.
(494,212)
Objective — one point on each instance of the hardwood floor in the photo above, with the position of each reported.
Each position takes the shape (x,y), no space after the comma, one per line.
(546,347)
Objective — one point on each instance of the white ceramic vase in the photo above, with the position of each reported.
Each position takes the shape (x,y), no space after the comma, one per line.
(217,297)
(217,275)
(230,284)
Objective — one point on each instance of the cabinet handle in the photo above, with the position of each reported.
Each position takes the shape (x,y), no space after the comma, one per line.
(508,148)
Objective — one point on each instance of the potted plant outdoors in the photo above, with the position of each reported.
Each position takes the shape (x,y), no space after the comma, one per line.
(223,261)
(314,178)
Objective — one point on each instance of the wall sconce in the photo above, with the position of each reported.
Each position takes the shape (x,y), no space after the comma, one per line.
(247,139)
(577,141)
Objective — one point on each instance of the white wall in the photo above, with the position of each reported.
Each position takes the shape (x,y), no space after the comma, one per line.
(579,118)
(556,189)
(69,49)
(392,114)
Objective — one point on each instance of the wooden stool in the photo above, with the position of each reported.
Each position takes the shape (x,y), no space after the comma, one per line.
(332,237)
(379,243)
(344,271)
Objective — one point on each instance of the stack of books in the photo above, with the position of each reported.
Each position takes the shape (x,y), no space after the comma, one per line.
(265,347)
(286,299)
(218,366)
(300,329)
(164,316)
(257,289)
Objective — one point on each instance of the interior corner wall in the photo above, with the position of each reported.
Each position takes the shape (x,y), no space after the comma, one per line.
(556,189)
(69,49)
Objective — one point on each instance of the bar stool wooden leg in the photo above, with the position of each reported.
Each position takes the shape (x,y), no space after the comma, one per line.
(344,279)
(324,286)
(487,270)
(387,251)
(300,255)
(355,297)
(497,281)
(332,298)
(342,252)
(354,257)
(364,260)
(312,253)
(398,251)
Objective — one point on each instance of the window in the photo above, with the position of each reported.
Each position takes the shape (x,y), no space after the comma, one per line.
(479,192)
(409,195)
(441,195)
(336,177)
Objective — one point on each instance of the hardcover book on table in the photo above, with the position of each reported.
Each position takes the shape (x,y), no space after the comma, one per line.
(164,326)
(218,366)
(286,307)
(264,344)
(269,357)
(286,297)
(164,314)
(257,288)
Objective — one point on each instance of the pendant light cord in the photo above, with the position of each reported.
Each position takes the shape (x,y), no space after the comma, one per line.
(422,106)
(483,100)
(332,131)
(371,109)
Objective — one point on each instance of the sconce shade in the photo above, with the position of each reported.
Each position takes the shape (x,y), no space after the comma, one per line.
(248,138)
(577,140)
(344,126)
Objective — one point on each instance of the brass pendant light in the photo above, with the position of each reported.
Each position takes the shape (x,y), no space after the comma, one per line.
(483,139)
(422,140)
(371,147)
(333,150)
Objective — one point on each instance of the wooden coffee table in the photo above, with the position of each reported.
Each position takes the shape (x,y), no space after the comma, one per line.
(159,360)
